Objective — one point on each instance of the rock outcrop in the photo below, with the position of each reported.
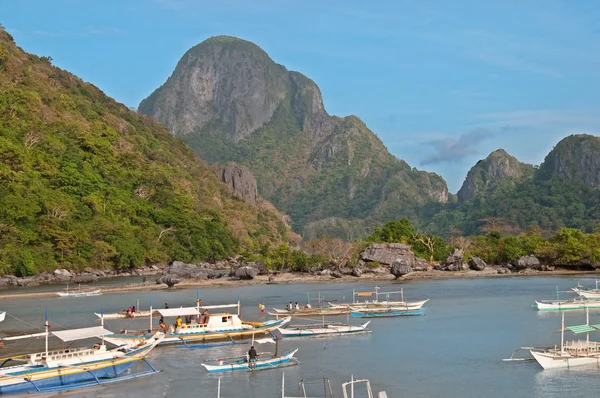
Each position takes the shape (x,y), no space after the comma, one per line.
(477,264)
(387,253)
(402,266)
(246,272)
(526,262)
(241,181)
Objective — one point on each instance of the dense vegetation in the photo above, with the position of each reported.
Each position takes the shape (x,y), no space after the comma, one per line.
(568,246)
(84,181)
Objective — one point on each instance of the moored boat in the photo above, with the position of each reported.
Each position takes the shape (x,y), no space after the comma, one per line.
(570,353)
(308,312)
(322,330)
(357,304)
(72,367)
(565,305)
(79,292)
(203,329)
(386,312)
(264,361)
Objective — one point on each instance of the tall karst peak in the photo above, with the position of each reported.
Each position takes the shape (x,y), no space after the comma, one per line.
(230,102)
(575,158)
(498,166)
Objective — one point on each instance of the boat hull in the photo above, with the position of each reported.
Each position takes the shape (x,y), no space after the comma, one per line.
(330,331)
(386,314)
(589,295)
(310,312)
(198,338)
(555,361)
(244,365)
(82,294)
(566,305)
(65,376)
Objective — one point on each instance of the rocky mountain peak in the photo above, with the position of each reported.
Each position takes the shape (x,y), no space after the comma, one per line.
(498,166)
(575,158)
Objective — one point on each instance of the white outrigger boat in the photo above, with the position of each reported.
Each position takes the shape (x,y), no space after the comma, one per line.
(566,305)
(79,293)
(358,305)
(313,311)
(71,368)
(322,330)
(570,353)
(203,330)
(348,389)
(589,294)
(263,362)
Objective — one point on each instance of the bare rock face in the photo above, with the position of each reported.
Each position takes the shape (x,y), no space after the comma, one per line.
(386,253)
(242,181)
(85,277)
(526,262)
(477,264)
(224,84)
(246,272)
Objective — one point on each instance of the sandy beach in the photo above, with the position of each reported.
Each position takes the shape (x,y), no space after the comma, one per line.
(288,278)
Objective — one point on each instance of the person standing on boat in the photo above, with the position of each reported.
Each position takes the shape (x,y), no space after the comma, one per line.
(178,323)
(262,308)
(252,357)
(297,306)
(166,306)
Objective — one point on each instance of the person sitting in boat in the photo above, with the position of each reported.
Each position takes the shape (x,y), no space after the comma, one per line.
(297,306)
(252,355)
(132,312)
(308,306)
(161,320)
(166,306)
(178,323)
(290,306)
(96,346)
(163,325)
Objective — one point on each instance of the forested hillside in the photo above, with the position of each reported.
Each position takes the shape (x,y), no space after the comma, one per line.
(84,181)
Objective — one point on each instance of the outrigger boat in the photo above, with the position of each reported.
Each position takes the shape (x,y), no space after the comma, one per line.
(2,315)
(566,305)
(590,294)
(357,305)
(79,293)
(570,353)
(328,391)
(386,312)
(214,327)
(322,330)
(264,360)
(73,367)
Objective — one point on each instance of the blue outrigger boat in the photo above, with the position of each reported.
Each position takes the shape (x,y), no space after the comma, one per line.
(268,361)
(386,312)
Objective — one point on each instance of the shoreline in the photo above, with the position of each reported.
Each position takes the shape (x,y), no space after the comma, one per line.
(292,278)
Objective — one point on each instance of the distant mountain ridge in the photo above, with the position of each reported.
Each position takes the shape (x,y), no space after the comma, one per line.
(562,192)
(230,102)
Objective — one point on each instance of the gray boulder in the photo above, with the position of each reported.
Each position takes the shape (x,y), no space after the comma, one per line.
(357,272)
(246,272)
(420,264)
(527,262)
(62,275)
(456,257)
(477,264)
(170,281)
(385,253)
(181,270)
(336,274)
(85,277)
(28,281)
(402,266)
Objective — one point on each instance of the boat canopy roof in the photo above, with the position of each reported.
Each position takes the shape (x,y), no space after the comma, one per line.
(183,311)
(583,328)
(80,334)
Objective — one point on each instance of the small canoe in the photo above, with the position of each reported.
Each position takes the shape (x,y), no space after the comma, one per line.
(386,313)
(323,330)
(241,363)
(80,294)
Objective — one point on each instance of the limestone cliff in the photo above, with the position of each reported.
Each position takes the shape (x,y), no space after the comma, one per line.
(230,102)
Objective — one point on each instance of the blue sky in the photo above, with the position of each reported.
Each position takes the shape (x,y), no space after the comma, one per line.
(442,83)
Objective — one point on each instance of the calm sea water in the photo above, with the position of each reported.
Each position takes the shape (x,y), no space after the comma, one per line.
(455,350)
